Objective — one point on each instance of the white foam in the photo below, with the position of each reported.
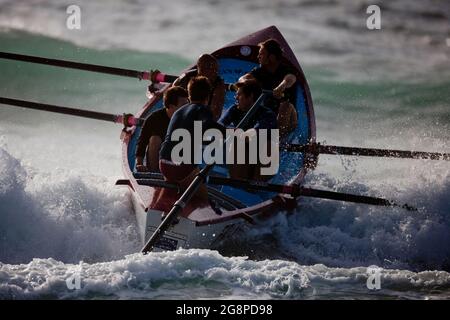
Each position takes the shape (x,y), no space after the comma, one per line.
(193,274)
(349,235)
(62,215)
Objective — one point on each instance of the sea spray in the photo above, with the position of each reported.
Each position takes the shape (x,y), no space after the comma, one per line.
(61,216)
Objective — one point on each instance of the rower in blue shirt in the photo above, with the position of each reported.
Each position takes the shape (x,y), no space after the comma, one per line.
(184,118)
(248,92)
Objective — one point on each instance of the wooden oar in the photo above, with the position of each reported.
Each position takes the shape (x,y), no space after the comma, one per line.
(293,190)
(154,76)
(368,152)
(125,119)
(193,187)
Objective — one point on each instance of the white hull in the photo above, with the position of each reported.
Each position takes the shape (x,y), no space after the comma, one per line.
(185,233)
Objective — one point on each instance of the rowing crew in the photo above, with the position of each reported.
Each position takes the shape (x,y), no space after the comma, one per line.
(203,101)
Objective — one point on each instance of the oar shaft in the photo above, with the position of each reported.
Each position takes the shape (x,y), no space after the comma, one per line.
(71,111)
(368,152)
(154,76)
(76,65)
(372,152)
(296,191)
(255,185)
(176,209)
(331,195)
(293,190)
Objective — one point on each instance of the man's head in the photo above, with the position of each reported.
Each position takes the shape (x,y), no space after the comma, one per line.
(208,66)
(247,93)
(174,98)
(199,89)
(270,52)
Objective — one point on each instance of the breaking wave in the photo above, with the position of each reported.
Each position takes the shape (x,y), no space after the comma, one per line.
(205,274)
(66,217)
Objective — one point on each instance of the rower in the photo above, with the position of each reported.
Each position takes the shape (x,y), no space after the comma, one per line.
(183,173)
(207,66)
(272,74)
(247,93)
(155,128)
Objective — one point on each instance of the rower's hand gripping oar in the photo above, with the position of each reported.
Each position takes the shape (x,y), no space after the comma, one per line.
(194,186)
(317,148)
(128,120)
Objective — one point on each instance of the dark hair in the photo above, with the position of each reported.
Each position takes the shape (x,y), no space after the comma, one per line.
(250,87)
(172,95)
(199,89)
(273,47)
(207,60)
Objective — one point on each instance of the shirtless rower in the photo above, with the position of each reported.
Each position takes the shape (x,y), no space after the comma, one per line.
(272,74)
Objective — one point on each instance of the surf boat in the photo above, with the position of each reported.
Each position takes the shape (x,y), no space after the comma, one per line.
(188,223)
(204,227)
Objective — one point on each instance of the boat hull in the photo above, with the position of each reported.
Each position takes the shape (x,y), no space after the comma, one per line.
(184,233)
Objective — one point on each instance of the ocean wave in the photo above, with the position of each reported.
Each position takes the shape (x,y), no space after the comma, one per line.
(205,274)
(61,216)
(348,235)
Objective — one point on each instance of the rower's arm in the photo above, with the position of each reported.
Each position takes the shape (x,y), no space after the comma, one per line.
(245,77)
(287,82)
(177,82)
